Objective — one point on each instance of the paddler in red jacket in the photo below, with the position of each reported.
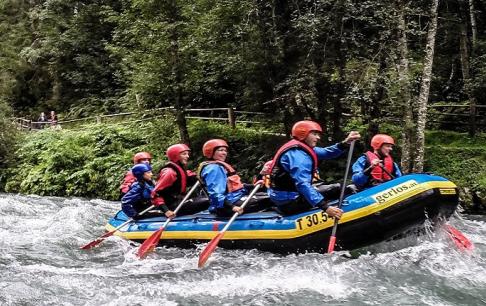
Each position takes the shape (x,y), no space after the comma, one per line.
(129,179)
(173,183)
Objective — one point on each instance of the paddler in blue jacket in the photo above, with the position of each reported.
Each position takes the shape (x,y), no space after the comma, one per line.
(138,197)
(294,168)
(377,166)
(223,185)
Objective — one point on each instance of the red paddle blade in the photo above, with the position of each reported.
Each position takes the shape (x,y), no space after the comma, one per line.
(208,250)
(332,242)
(149,244)
(97,241)
(461,241)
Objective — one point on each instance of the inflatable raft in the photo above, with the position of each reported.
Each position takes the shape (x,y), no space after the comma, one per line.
(370,216)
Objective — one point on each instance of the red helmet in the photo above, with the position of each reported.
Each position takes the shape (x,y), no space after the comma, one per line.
(301,129)
(211,145)
(141,155)
(379,139)
(174,150)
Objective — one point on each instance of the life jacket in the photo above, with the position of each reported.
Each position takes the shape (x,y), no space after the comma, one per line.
(144,201)
(233,180)
(128,181)
(377,175)
(281,179)
(171,194)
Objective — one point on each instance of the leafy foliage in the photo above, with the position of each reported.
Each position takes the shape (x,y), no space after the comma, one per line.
(459,158)
(89,162)
(331,61)
(9,138)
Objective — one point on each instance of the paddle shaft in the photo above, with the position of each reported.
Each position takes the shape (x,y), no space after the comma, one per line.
(131,219)
(106,235)
(213,244)
(235,215)
(151,242)
(189,193)
(386,171)
(341,196)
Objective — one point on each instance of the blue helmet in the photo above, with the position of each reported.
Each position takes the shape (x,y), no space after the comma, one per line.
(139,169)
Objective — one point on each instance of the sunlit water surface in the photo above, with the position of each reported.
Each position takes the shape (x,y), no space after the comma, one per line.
(41,264)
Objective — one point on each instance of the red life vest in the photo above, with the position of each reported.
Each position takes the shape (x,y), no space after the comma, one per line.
(128,180)
(172,194)
(377,175)
(181,182)
(233,180)
(279,178)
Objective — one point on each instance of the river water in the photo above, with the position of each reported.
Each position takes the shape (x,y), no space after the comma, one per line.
(41,264)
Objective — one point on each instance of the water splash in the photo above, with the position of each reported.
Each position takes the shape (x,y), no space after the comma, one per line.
(41,264)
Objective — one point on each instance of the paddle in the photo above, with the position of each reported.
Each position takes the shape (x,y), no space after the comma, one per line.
(103,237)
(151,242)
(209,249)
(386,171)
(332,239)
(459,239)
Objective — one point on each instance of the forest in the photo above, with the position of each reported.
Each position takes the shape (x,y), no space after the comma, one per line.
(409,66)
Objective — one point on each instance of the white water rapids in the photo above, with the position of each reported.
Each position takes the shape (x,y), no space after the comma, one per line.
(41,264)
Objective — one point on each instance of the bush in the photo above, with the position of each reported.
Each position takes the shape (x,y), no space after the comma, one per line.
(86,163)
(461,159)
(92,161)
(249,147)
(9,137)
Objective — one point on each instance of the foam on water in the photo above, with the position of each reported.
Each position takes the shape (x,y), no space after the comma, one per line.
(41,263)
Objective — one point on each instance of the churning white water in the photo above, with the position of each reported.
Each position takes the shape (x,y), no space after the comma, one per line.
(41,264)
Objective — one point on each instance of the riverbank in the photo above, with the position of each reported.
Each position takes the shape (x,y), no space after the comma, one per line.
(91,160)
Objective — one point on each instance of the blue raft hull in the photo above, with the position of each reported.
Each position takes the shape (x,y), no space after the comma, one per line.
(370,216)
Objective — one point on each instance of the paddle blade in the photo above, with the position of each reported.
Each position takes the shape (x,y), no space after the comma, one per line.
(149,244)
(461,241)
(332,242)
(97,241)
(208,250)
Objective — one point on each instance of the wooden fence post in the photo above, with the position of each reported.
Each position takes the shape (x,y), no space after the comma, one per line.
(98,119)
(472,119)
(231,117)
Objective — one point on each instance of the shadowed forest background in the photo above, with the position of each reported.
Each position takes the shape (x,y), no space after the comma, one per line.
(401,67)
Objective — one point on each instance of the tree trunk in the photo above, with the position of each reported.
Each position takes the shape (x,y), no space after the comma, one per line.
(466,69)
(425,89)
(372,114)
(405,98)
(177,87)
(339,87)
(474,28)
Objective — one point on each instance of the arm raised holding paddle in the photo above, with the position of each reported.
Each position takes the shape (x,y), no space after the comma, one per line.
(294,171)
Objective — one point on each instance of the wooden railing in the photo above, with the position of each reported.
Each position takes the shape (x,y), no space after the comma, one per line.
(233,116)
(469,117)
(229,114)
